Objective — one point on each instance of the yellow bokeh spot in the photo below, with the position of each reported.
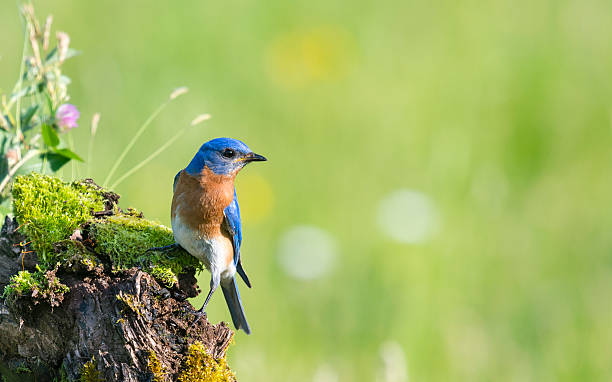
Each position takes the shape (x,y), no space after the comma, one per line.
(255,197)
(298,58)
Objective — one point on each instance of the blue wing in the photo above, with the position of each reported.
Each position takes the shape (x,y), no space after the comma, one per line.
(234,227)
(232,221)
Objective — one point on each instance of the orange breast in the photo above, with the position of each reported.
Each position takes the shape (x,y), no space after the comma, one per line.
(202,199)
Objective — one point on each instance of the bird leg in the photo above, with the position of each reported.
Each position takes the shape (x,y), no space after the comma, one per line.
(214,284)
(165,248)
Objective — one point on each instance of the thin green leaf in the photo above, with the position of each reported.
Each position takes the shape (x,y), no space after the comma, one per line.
(23,92)
(56,161)
(49,103)
(50,136)
(52,53)
(68,154)
(69,54)
(6,207)
(27,116)
(33,165)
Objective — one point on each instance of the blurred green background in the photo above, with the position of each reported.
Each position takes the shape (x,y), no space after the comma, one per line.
(437,201)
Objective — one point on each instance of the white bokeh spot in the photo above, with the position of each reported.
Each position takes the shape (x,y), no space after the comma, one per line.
(325,373)
(307,252)
(408,216)
(393,367)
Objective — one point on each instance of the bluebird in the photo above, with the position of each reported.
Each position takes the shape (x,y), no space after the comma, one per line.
(206,217)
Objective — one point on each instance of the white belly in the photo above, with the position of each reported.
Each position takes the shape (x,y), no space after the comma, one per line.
(210,251)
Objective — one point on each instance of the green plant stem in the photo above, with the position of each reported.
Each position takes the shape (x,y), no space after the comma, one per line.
(74,169)
(90,153)
(148,159)
(133,141)
(43,165)
(20,83)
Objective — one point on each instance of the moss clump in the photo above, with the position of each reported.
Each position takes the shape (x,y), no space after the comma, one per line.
(63,376)
(20,284)
(90,372)
(49,210)
(156,368)
(41,286)
(202,367)
(125,238)
(165,275)
(21,369)
(73,255)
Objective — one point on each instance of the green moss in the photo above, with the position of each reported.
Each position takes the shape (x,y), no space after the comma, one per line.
(165,275)
(63,376)
(20,284)
(156,368)
(73,255)
(23,370)
(202,367)
(49,210)
(42,286)
(125,238)
(90,372)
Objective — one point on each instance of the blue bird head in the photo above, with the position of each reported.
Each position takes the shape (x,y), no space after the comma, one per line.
(223,156)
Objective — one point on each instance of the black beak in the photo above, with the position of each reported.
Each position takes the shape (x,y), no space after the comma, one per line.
(252,157)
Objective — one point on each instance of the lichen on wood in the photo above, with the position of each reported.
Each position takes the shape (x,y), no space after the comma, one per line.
(202,367)
(90,372)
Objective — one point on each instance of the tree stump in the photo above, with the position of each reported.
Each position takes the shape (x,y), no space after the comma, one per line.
(112,325)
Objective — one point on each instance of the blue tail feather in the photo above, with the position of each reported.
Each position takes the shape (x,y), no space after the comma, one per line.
(243,274)
(232,298)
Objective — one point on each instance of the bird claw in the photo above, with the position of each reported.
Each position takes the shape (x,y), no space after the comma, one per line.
(198,314)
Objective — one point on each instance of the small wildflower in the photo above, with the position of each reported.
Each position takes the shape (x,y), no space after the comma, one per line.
(94,123)
(179,92)
(63,42)
(200,118)
(67,116)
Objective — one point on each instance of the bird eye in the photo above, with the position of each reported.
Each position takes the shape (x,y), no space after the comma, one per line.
(228,153)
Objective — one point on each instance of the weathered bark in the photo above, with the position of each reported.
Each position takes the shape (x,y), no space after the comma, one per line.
(118,318)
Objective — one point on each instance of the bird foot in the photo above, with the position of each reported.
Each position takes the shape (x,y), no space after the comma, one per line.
(198,314)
